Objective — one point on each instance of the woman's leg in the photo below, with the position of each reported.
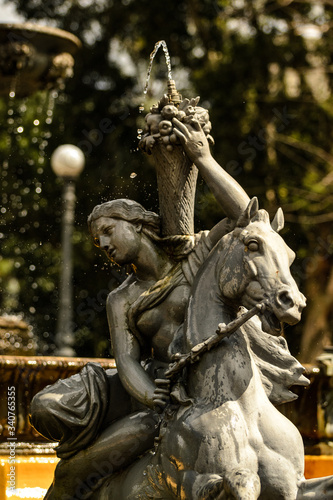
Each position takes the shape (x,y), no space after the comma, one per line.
(78,477)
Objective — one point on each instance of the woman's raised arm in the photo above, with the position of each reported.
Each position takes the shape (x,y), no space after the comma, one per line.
(228,193)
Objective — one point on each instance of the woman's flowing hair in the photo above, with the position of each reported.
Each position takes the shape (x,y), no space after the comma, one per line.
(177,246)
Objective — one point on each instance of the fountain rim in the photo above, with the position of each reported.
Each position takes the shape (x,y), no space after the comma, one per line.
(49,31)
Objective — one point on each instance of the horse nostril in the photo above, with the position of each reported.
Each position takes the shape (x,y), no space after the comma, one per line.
(284,299)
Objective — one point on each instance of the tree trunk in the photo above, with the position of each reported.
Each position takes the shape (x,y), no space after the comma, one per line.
(317,331)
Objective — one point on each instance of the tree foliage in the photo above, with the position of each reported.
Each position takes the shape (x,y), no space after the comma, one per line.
(263,69)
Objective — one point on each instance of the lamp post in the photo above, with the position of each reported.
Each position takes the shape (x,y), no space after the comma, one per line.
(67,162)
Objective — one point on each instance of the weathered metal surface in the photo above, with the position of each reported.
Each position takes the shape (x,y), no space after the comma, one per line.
(216,430)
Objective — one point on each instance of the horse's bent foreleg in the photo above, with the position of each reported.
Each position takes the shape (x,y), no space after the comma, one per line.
(240,484)
(317,489)
(202,486)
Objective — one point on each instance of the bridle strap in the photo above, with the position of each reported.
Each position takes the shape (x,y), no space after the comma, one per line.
(223,331)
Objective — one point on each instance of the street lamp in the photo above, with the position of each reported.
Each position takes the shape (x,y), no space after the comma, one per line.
(67,162)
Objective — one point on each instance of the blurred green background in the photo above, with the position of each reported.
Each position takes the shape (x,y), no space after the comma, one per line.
(264,71)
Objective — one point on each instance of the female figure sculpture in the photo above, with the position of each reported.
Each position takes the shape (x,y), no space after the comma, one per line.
(144,313)
(202,452)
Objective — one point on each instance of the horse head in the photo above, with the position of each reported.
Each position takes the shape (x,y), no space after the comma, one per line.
(257,268)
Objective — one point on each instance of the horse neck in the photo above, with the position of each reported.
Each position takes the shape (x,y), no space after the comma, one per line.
(207,306)
(209,379)
(223,373)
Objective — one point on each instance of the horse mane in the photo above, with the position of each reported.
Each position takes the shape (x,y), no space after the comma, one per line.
(261,216)
(278,369)
(252,214)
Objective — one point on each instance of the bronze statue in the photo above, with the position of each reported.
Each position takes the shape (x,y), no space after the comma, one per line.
(217,434)
(144,314)
(227,440)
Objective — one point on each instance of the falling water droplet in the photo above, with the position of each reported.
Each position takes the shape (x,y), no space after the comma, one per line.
(50,107)
(11,102)
(133,175)
(139,132)
(36,123)
(13,85)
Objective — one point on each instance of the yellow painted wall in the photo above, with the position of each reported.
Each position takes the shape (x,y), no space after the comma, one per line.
(33,476)
(318,466)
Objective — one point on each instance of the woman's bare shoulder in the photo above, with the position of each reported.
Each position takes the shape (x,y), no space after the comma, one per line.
(122,292)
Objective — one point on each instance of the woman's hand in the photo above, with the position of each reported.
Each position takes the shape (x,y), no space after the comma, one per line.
(193,139)
(161,397)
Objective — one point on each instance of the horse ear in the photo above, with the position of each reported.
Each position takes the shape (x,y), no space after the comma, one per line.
(248,214)
(278,221)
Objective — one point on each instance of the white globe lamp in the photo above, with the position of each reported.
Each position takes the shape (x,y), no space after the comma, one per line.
(67,161)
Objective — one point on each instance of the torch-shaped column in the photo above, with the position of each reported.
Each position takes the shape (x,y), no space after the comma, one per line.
(176,175)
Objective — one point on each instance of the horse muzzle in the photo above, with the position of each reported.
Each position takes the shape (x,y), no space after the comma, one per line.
(288,304)
(285,306)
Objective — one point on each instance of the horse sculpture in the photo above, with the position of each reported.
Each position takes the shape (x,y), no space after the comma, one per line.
(228,441)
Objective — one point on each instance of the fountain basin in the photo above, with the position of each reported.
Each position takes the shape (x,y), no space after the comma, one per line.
(34,57)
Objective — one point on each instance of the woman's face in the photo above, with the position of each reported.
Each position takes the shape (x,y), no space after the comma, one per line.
(119,239)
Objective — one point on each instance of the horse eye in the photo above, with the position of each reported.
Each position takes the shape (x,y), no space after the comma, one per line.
(96,242)
(253,246)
